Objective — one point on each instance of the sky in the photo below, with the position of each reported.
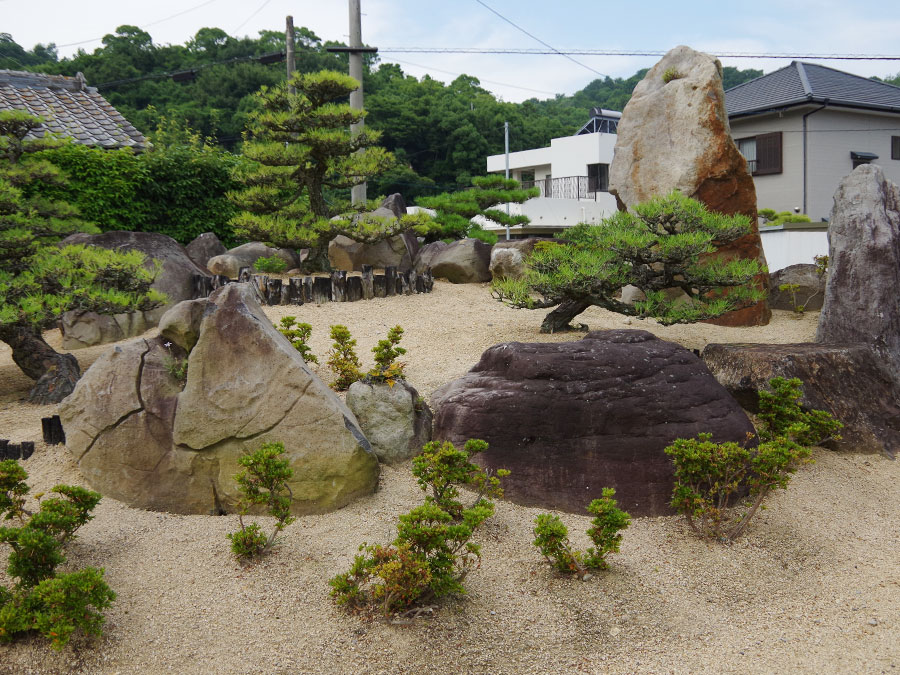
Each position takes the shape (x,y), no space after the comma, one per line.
(797,27)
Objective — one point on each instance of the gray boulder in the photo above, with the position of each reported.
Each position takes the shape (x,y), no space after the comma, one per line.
(808,294)
(205,247)
(230,263)
(395,419)
(508,257)
(864,266)
(845,380)
(568,419)
(175,278)
(144,437)
(399,251)
(466,261)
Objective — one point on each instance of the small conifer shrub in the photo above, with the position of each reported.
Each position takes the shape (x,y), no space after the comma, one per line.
(298,335)
(552,537)
(433,551)
(55,605)
(342,358)
(263,482)
(387,369)
(711,478)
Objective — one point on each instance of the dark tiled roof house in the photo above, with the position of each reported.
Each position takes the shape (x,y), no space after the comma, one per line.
(804,127)
(69,108)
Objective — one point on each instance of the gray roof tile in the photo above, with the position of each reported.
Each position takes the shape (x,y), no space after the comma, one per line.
(68,108)
(801,83)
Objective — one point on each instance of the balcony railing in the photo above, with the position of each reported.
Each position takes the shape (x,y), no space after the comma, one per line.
(570,187)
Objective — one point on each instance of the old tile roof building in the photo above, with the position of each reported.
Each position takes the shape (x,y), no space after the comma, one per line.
(69,108)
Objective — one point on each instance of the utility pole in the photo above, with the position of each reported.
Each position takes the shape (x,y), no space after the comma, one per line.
(357,192)
(506,147)
(289,51)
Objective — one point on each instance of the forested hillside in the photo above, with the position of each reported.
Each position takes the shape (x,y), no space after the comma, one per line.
(440,132)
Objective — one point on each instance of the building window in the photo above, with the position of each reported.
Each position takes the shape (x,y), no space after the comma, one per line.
(526,179)
(598,177)
(763,153)
(895,147)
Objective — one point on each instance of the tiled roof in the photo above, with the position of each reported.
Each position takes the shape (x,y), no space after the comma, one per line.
(68,108)
(801,83)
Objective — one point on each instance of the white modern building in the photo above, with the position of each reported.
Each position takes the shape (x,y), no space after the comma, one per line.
(572,175)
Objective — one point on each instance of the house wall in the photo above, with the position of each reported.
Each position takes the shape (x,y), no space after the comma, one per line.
(831,134)
(566,156)
(784,247)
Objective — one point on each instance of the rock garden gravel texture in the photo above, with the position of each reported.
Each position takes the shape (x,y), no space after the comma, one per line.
(813,587)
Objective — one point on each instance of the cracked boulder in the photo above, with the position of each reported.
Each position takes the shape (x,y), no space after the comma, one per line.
(145,437)
(570,418)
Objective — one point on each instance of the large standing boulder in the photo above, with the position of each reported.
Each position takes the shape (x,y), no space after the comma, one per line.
(466,261)
(204,247)
(141,435)
(674,135)
(845,380)
(176,278)
(864,266)
(804,287)
(394,418)
(568,419)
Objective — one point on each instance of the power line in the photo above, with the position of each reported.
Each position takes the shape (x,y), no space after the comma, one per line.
(450,72)
(258,10)
(630,52)
(537,39)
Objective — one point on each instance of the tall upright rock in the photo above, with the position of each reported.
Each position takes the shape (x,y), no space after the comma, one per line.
(864,266)
(674,135)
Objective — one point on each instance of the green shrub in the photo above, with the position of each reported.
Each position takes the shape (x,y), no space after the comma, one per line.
(263,483)
(433,550)
(711,478)
(270,265)
(54,605)
(342,358)
(299,337)
(387,368)
(552,536)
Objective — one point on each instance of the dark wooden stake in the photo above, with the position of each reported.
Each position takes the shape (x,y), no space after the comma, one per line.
(368,282)
(339,286)
(403,278)
(428,280)
(295,286)
(390,276)
(245,274)
(53,431)
(380,286)
(354,289)
(273,291)
(308,289)
(412,282)
(321,290)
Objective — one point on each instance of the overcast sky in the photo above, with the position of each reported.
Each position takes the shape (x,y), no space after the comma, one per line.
(764,26)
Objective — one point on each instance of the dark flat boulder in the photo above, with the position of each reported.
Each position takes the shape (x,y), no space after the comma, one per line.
(568,419)
(846,380)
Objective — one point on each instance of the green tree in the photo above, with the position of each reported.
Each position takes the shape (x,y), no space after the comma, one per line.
(296,196)
(662,246)
(455,210)
(38,280)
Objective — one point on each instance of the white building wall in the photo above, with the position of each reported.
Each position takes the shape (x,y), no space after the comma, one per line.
(786,247)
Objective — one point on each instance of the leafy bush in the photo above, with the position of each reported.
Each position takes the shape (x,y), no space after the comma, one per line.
(710,478)
(552,536)
(779,218)
(342,358)
(270,265)
(299,337)
(387,369)
(54,605)
(433,550)
(263,483)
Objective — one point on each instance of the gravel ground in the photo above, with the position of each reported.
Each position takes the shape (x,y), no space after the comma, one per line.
(813,587)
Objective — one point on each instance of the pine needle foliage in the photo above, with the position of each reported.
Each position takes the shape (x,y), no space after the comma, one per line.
(664,244)
(304,160)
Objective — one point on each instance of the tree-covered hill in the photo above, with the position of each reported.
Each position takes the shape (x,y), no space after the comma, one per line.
(440,132)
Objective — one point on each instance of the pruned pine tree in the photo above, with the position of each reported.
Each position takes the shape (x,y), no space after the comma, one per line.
(455,210)
(39,280)
(297,195)
(663,247)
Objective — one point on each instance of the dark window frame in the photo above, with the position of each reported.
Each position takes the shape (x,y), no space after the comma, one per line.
(895,147)
(598,178)
(769,154)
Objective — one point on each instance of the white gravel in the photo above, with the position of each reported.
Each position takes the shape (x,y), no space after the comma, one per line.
(814,586)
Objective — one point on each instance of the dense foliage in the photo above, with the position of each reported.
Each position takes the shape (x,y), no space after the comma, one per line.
(440,133)
(38,280)
(433,550)
(711,479)
(55,605)
(662,245)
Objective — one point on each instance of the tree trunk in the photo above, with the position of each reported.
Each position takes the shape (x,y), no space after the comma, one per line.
(559,319)
(56,373)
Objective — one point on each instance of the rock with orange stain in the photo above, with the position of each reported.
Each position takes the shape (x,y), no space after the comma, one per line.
(674,135)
